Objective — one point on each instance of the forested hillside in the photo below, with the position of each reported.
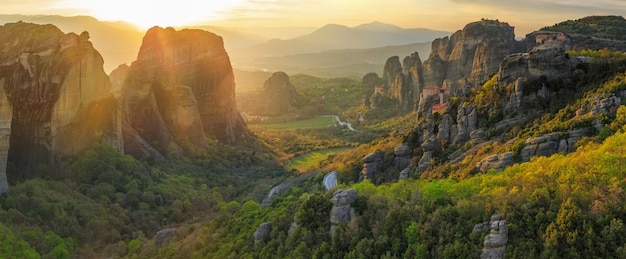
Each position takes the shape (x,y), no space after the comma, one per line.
(558,206)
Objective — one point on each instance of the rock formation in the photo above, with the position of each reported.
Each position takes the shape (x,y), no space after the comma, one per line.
(549,39)
(469,55)
(54,97)
(551,143)
(550,62)
(342,212)
(164,237)
(402,153)
(371,164)
(370,80)
(495,242)
(401,83)
(180,91)
(599,104)
(262,233)
(496,162)
(117,77)
(278,96)
(467,121)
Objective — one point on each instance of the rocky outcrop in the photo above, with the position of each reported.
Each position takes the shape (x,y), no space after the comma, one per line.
(430,145)
(164,237)
(548,39)
(401,83)
(405,173)
(467,121)
(469,55)
(549,62)
(278,96)
(370,80)
(54,97)
(549,144)
(262,232)
(496,162)
(494,245)
(545,145)
(371,165)
(342,211)
(117,77)
(402,153)
(599,104)
(179,92)
(447,128)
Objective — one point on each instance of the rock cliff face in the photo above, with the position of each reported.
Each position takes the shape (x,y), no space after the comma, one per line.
(278,96)
(54,97)
(456,63)
(469,55)
(551,62)
(179,91)
(401,83)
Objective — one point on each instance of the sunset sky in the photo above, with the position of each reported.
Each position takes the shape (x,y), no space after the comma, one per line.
(449,15)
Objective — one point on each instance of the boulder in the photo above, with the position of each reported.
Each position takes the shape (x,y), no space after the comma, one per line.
(424,161)
(527,152)
(341,211)
(402,153)
(547,148)
(405,173)
(163,237)
(494,245)
(496,162)
(477,135)
(262,232)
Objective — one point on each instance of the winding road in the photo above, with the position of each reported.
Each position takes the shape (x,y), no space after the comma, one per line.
(341,123)
(330,180)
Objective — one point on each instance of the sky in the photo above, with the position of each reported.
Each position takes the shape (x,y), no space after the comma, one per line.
(448,15)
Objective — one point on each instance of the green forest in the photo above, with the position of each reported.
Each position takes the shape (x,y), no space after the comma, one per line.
(303,185)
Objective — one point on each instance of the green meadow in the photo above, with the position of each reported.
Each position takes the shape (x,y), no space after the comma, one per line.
(314,123)
(305,162)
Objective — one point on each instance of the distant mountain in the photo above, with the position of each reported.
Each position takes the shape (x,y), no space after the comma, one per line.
(334,63)
(118,42)
(237,37)
(334,36)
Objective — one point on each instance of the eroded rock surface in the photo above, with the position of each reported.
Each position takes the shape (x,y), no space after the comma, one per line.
(262,233)
(278,95)
(54,97)
(179,92)
(164,237)
(495,242)
(371,165)
(342,211)
(469,55)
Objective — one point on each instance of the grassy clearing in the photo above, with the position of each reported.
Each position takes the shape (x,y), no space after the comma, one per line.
(314,123)
(305,162)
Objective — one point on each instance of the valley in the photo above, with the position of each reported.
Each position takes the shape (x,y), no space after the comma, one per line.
(371,141)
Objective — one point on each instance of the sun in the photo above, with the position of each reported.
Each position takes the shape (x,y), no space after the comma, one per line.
(149,13)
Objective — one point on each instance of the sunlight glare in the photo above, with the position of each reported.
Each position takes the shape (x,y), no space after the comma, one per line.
(149,13)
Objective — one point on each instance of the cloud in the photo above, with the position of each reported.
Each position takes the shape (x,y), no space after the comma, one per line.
(554,7)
